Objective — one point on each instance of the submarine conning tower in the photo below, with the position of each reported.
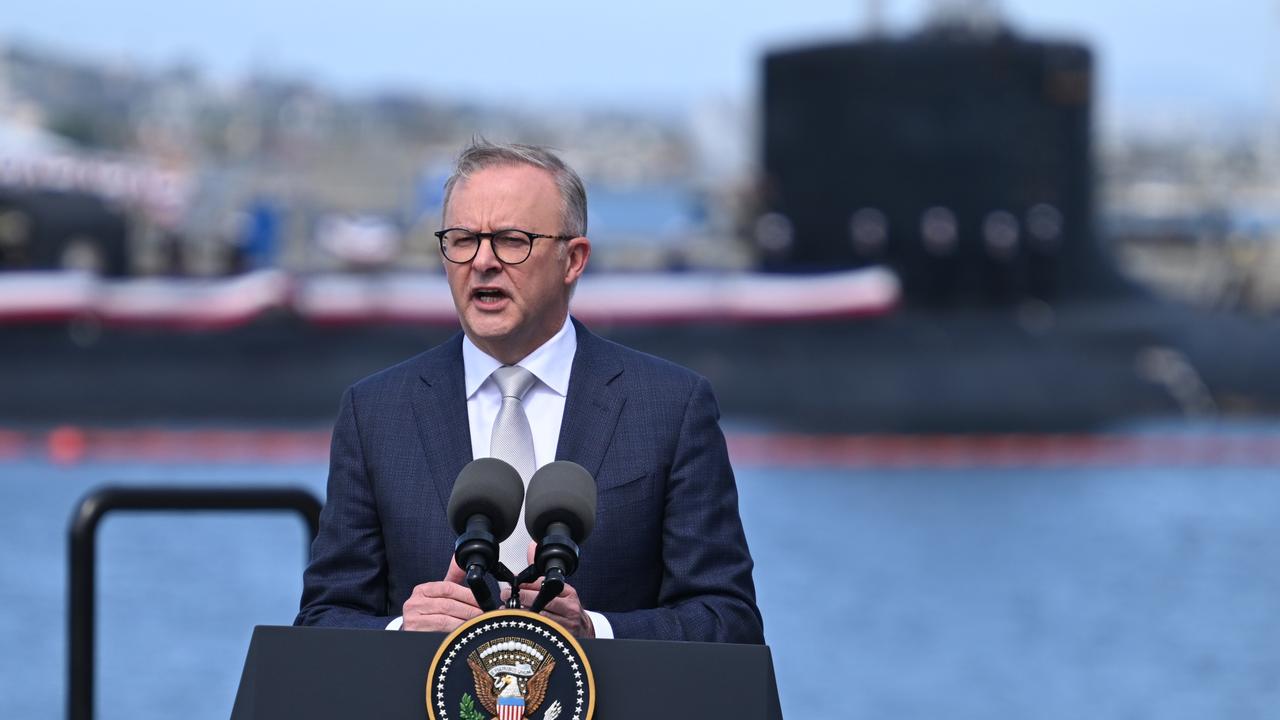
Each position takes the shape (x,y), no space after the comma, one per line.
(960,159)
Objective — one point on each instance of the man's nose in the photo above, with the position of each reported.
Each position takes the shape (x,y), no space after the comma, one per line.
(485,259)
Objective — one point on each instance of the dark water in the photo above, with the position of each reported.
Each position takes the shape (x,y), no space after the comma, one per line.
(1151,593)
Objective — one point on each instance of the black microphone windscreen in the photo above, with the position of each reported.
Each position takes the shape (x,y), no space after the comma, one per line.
(561,491)
(489,487)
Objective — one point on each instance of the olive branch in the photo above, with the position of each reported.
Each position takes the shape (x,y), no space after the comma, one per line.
(467,709)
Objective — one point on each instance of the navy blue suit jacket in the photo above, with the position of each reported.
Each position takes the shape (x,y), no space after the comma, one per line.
(667,559)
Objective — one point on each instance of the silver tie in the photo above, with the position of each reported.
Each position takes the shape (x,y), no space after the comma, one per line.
(512,441)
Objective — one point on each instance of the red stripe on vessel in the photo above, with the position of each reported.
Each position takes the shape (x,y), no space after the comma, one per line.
(748,449)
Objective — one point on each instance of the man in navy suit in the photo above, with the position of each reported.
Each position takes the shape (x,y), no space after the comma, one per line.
(667,559)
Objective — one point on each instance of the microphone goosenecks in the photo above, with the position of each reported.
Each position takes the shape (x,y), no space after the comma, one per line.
(564,492)
(488,487)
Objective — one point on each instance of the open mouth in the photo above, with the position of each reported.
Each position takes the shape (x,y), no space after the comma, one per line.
(488,296)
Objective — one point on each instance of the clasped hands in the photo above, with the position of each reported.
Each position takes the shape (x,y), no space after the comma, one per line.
(444,605)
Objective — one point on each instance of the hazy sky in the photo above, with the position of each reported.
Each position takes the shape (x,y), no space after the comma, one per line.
(1202,57)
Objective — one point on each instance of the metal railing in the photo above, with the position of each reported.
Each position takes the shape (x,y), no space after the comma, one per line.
(82,601)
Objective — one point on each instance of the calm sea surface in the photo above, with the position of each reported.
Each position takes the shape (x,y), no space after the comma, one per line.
(887,593)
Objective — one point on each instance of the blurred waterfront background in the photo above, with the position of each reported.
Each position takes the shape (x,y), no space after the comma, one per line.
(988,291)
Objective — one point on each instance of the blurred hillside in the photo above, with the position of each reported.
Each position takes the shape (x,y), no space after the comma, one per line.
(217,177)
(316,163)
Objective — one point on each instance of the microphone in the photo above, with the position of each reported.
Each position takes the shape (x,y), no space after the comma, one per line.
(560,512)
(484,509)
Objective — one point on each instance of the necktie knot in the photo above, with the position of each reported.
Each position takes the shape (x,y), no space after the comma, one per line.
(513,381)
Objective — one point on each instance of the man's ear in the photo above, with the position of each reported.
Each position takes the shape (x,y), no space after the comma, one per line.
(577,253)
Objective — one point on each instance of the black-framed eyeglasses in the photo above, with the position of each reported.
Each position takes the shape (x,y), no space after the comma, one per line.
(510,246)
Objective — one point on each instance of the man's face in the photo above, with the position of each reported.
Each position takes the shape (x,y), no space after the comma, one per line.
(509,310)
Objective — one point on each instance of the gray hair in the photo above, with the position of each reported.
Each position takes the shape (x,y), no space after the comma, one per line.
(482,154)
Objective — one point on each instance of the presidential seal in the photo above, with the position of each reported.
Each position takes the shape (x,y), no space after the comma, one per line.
(510,665)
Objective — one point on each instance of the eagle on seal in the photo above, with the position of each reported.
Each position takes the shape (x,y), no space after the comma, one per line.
(489,690)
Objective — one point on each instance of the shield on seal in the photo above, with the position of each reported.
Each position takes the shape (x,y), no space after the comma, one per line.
(510,708)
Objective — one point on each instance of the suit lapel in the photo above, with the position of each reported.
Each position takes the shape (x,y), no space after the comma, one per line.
(591,411)
(593,403)
(440,411)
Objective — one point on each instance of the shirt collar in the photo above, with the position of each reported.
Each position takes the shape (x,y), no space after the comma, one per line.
(551,363)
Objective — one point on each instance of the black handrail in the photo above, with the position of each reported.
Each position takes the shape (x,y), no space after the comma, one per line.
(81,607)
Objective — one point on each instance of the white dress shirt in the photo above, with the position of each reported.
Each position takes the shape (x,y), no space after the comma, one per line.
(543,404)
(551,363)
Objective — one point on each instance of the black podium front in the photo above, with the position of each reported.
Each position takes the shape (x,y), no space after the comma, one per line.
(320,673)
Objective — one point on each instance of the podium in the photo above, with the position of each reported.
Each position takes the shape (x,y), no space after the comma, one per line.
(322,673)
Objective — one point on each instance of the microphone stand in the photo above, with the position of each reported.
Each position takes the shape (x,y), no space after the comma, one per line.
(557,555)
(502,574)
(552,586)
(475,580)
(475,549)
(480,588)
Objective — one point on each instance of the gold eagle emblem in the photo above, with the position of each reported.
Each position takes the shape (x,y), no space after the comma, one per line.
(493,683)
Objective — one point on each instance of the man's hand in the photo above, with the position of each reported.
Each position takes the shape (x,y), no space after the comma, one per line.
(565,609)
(440,606)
